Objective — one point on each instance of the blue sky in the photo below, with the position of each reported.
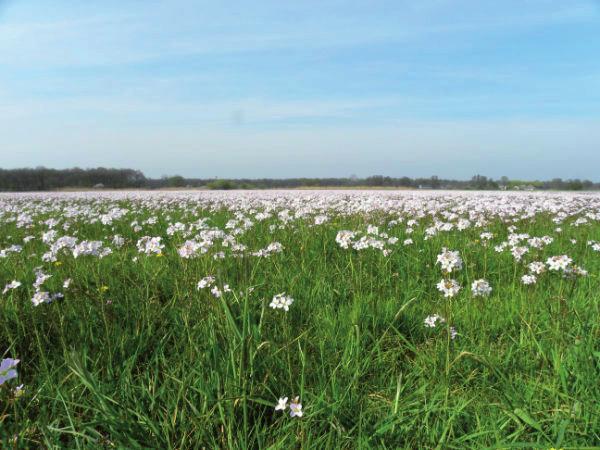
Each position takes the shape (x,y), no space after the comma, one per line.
(309,88)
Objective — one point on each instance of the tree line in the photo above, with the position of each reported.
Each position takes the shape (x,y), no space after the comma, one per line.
(44,179)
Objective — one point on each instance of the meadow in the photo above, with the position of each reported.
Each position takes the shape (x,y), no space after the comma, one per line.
(299,319)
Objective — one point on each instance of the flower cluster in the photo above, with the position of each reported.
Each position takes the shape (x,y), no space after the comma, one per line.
(150,245)
(481,288)
(295,406)
(449,287)
(281,301)
(449,260)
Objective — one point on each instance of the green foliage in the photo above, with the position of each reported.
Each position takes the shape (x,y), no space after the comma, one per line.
(152,362)
(223,185)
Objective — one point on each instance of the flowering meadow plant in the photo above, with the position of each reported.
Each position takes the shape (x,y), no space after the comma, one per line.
(300,319)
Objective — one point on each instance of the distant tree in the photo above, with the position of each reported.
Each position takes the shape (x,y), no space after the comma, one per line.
(176,181)
(575,185)
(221,185)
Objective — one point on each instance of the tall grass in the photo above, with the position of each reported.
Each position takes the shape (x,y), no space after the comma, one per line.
(135,356)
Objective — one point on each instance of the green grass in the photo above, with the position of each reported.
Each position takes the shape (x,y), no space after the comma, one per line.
(136,356)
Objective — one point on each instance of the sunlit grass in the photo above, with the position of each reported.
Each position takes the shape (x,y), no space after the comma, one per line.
(136,356)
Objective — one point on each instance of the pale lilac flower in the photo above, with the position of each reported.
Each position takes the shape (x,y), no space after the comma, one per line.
(449,287)
(205,282)
(528,279)
(93,248)
(296,408)
(558,262)
(41,278)
(40,297)
(189,249)
(449,260)
(537,267)
(118,241)
(344,238)
(431,321)
(573,271)
(320,219)
(481,288)
(7,370)
(149,245)
(518,252)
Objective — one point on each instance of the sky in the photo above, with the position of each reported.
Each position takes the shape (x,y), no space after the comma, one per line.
(303,88)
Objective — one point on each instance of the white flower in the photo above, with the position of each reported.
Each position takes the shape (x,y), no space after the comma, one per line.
(40,279)
(430,321)
(558,262)
(216,292)
(92,248)
(576,271)
(281,404)
(448,287)
(118,241)
(280,301)
(537,267)
(528,279)
(344,238)
(518,252)
(67,283)
(296,408)
(481,288)
(449,260)
(40,297)
(12,285)
(206,282)
(150,245)
(189,249)
(372,229)
(320,219)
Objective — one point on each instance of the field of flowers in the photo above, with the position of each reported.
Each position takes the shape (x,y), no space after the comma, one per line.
(299,319)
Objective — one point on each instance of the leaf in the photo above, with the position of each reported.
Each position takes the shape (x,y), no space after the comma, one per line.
(525,417)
